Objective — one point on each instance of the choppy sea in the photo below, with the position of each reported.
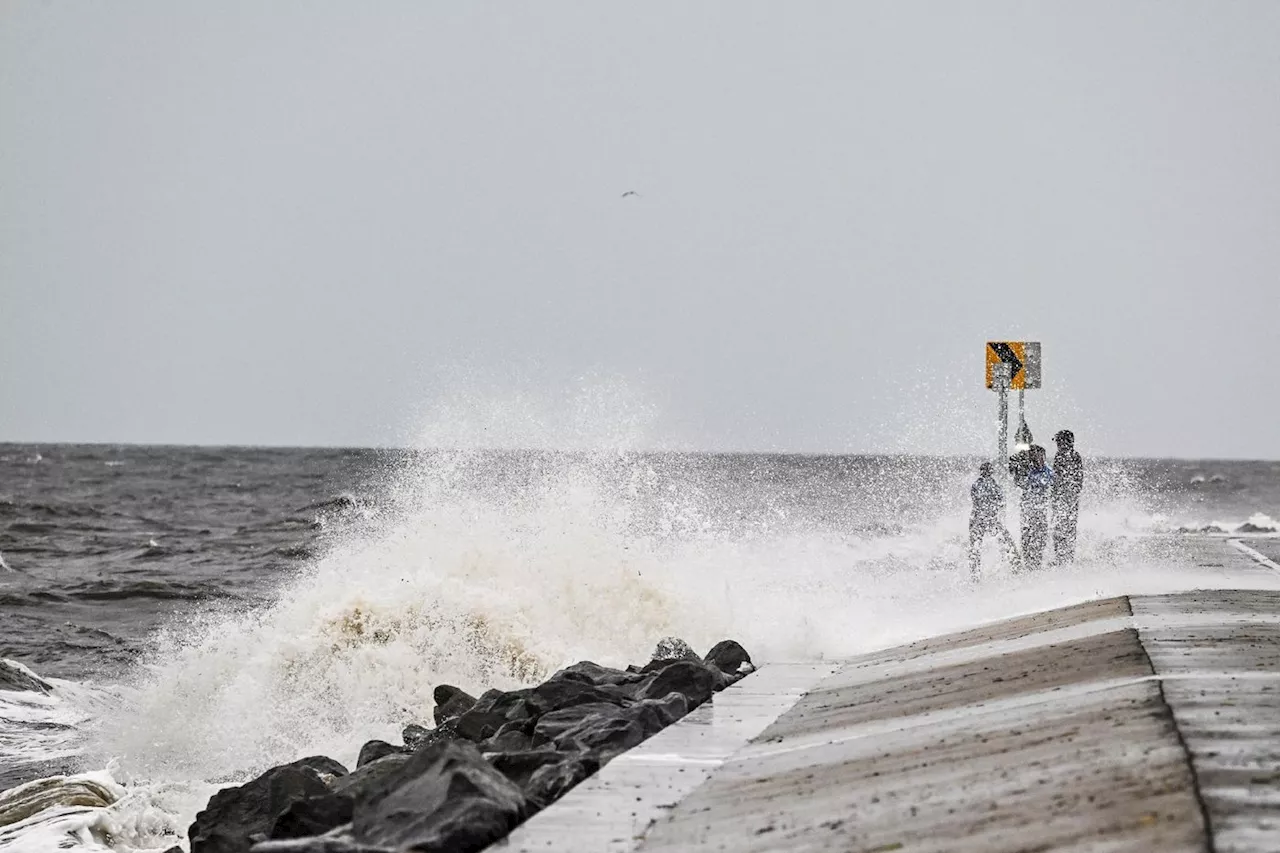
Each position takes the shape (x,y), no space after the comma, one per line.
(174,619)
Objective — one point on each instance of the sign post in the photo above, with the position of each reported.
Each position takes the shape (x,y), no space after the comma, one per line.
(1012,365)
(1000,381)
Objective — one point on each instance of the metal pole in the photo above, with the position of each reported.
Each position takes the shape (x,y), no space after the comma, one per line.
(1000,380)
(1022,407)
(1003,425)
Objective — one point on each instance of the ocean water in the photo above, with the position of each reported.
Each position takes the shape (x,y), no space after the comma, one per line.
(200,614)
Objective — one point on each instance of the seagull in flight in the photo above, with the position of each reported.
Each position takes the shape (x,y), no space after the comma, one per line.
(631,192)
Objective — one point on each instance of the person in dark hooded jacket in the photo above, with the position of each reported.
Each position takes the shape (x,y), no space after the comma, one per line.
(988,506)
(1068,481)
(1036,486)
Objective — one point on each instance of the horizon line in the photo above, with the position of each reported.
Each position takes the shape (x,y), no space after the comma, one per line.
(620,451)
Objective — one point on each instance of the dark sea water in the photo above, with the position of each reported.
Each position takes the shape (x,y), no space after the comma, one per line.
(105,543)
(201,613)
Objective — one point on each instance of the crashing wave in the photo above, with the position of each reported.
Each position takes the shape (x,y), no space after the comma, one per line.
(15,676)
(87,791)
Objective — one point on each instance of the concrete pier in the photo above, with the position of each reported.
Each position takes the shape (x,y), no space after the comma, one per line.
(1132,723)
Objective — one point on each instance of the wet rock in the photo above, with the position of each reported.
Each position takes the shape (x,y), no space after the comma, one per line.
(567,693)
(493,710)
(606,735)
(236,818)
(325,766)
(520,766)
(552,725)
(415,736)
(313,816)
(451,702)
(730,658)
(512,737)
(551,781)
(489,762)
(418,737)
(445,798)
(593,673)
(373,750)
(370,776)
(695,681)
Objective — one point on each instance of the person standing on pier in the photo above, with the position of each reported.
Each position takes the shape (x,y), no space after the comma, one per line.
(1036,485)
(1068,480)
(988,507)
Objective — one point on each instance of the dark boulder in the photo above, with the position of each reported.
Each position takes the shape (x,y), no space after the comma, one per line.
(373,750)
(446,693)
(730,658)
(446,797)
(593,673)
(418,737)
(520,766)
(551,781)
(512,737)
(370,776)
(313,816)
(493,710)
(552,725)
(415,736)
(451,702)
(322,764)
(604,736)
(236,818)
(695,681)
(565,693)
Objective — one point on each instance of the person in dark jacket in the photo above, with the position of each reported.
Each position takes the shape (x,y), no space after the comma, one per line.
(988,507)
(1068,480)
(1036,486)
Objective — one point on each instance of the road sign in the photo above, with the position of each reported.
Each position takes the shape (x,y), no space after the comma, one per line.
(1022,358)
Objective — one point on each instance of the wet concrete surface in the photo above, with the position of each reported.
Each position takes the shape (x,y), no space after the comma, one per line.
(611,810)
(1130,723)
(1221,678)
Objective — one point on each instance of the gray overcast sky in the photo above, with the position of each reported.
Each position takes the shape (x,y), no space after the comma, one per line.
(322,223)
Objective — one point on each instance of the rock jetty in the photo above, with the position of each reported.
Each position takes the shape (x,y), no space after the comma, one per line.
(487,763)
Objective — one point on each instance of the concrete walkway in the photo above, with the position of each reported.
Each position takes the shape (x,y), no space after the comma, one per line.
(1131,723)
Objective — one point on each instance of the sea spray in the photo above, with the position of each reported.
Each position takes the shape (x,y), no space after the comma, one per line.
(488,568)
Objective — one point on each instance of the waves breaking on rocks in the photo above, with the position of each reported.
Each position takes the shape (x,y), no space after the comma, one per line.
(489,763)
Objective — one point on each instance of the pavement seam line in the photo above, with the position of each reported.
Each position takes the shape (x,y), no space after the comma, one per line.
(1182,742)
(1257,557)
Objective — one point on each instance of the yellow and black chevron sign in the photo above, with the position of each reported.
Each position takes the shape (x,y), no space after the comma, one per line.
(1023,358)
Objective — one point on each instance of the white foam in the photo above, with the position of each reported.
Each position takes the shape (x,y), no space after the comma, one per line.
(595,558)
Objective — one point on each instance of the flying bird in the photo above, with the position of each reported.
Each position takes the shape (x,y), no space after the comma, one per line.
(631,192)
